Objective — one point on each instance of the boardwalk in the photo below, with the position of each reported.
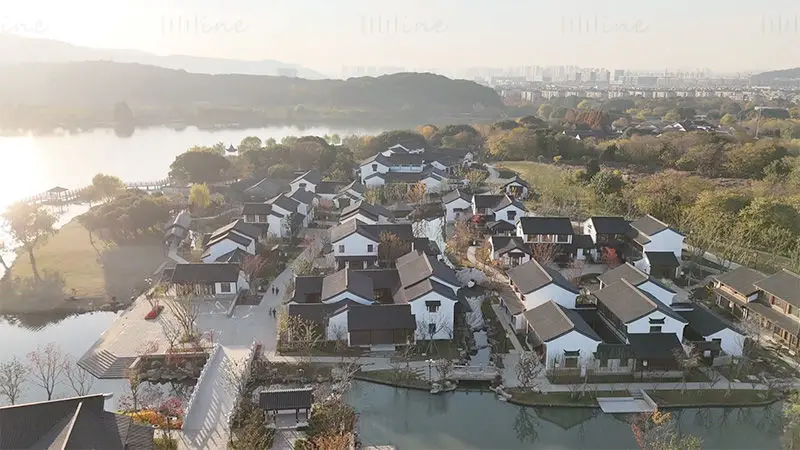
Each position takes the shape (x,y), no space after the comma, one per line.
(59,195)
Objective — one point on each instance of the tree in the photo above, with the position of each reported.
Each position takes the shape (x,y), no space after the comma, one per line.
(545,110)
(391,247)
(199,167)
(79,379)
(281,171)
(200,196)
(464,234)
(529,369)
(107,186)
(185,312)
(728,119)
(416,193)
(585,104)
(2,260)
(343,165)
(688,359)
(303,335)
(545,254)
(791,427)
(253,268)
(31,225)
(248,144)
(47,367)
(254,432)
(476,178)
(656,431)
(13,374)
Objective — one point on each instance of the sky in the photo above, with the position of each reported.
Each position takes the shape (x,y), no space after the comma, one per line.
(723,36)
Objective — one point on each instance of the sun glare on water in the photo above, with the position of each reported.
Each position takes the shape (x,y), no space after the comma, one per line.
(23,173)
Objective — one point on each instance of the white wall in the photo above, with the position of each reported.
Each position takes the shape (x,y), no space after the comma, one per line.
(505,259)
(570,342)
(366,170)
(458,203)
(502,214)
(374,182)
(665,241)
(642,325)
(732,342)
(348,295)
(225,246)
(588,228)
(666,297)
(355,245)
(510,185)
(337,327)
(295,186)
(276,227)
(432,184)
(361,217)
(553,292)
(443,318)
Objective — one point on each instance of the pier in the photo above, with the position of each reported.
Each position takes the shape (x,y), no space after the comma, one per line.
(638,402)
(60,195)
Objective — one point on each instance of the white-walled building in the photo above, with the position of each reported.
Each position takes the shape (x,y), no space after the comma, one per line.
(639,279)
(654,241)
(560,336)
(237,234)
(536,285)
(217,279)
(509,251)
(457,205)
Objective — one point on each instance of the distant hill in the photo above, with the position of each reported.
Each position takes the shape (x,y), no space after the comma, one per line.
(777,76)
(49,94)
(16,49)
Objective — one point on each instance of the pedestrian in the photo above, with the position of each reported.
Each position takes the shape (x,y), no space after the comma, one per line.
(277,291)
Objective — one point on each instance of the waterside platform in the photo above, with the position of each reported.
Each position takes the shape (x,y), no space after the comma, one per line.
(638,402)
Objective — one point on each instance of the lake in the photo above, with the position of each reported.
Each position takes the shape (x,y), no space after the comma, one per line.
(34,164)
(415,419)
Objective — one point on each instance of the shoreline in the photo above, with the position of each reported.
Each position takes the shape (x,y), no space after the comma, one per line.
(556,403)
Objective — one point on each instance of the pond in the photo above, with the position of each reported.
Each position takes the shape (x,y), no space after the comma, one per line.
(474,420)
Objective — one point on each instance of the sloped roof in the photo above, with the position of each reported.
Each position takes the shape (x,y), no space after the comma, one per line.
(508,201)
(705,322)
(306,285)
(426,286)
(546,225)
(662,259)
(303,196)
(625,271)
(370,210)
(532,276)
(742,279)
(232,235)
(347,280)
(240,227)
(380,317)
(235,256)
(256,209)
(283,399)
(517,180)
(328,187)
(356,186)
(352,226)
(79,422)
(784,285)
(500,226)
(654,345)
(629,303)
(454,195)
(312,176)
(488,200)
(610,225)
(649,226)
(419,266)
(205,273)
(550,321)
(382,278)
(403,231)
(284,202)
(426,246)
(504,244)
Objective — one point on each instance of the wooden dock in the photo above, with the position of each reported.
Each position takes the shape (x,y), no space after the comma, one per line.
(638,402)
(59,195)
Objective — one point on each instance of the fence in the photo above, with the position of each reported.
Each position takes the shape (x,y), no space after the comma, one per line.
(199,385)
(255,347)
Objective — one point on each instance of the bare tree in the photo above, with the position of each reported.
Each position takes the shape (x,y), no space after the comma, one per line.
(47,367)
(545,254)
(79,379)
(575,270)
(185,312)
(444,368)
(13,374)
(303,335)
(688,361)
(529,369)
(431,326)
(253,268)
(235,374)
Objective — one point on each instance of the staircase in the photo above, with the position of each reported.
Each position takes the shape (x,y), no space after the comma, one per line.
(105,365)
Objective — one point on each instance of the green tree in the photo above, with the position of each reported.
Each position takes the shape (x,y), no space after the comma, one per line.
(107,186)
(607,182)
(31,225)
(249,143)
(532,122)
(671,116)
(200,196)
(728,119)
(343,166)
(544,111)
(585,104)
(280,171)
(750,160)
(199,167)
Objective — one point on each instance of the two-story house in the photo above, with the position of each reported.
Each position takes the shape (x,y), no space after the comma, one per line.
(509,251)
(639,279)
(560,335)
(457,205)
(535,285)
(214,279)
(498,207)
(655,247)
(397,162)
(448,160)
(737,292)
(235,235)
(780,295)
(549,231)
(366,212)
(262,215)
(312,181)
(356,244)
(517,188)
(607,232)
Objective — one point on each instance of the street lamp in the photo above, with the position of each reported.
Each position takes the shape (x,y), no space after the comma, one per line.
(430,373)
(644,366)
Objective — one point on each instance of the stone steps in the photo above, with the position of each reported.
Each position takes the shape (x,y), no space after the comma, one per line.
(105,365)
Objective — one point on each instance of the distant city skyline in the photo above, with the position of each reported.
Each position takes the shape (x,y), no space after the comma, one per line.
(449,35)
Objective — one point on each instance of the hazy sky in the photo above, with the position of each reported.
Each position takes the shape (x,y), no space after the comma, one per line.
(722,35)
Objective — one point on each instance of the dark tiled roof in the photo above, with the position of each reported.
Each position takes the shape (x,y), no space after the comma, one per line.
(456,194)
(79,422)
(426,246)
(368,209)
(379,158)
(546,225)
(403,231)
(508,201)
(287,203)
(256,209)
(306,285)
(419,266)
(607,351)
(328,187)
(550,320)
(629,303)
(610,225)
(312,176)
(234,236)
(380,317)
(500,226)
(382,278)
(281,399)
(626,272)
(532,276)
(356,186)
(504,244)
(662,259)
(583,241)
(205,273)
(488,200)
(352,226)
(347,280)
(784,285)
(655,345)
(705,322)
(741,279)
(240,227)
(235,256)
(517,180)
(399,177)
(266,188)
(428,285)
(399,159)
(303,196)
(649,225)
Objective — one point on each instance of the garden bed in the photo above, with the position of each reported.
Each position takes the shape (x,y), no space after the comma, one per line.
(566,399)
(154,313)
(394,378)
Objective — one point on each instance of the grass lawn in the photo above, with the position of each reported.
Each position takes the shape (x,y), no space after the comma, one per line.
(74,266)
(436,350)
(553,192)
(710,397)
(588,399)
(694,376)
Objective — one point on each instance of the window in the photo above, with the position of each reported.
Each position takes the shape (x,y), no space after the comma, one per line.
(224,287)
(563,238)
(433,306)
(571,359)
(370,248)
(623,362)
(374,167)
(511,215)
(341,249)
(431,329)
(302,186)
(788,308)
(250,218)
(658,321)
(655,328)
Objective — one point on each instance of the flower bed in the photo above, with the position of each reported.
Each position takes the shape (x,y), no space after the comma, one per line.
(154,312)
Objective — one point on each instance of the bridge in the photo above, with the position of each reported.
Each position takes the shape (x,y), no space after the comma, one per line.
(59,195)
(475,373)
